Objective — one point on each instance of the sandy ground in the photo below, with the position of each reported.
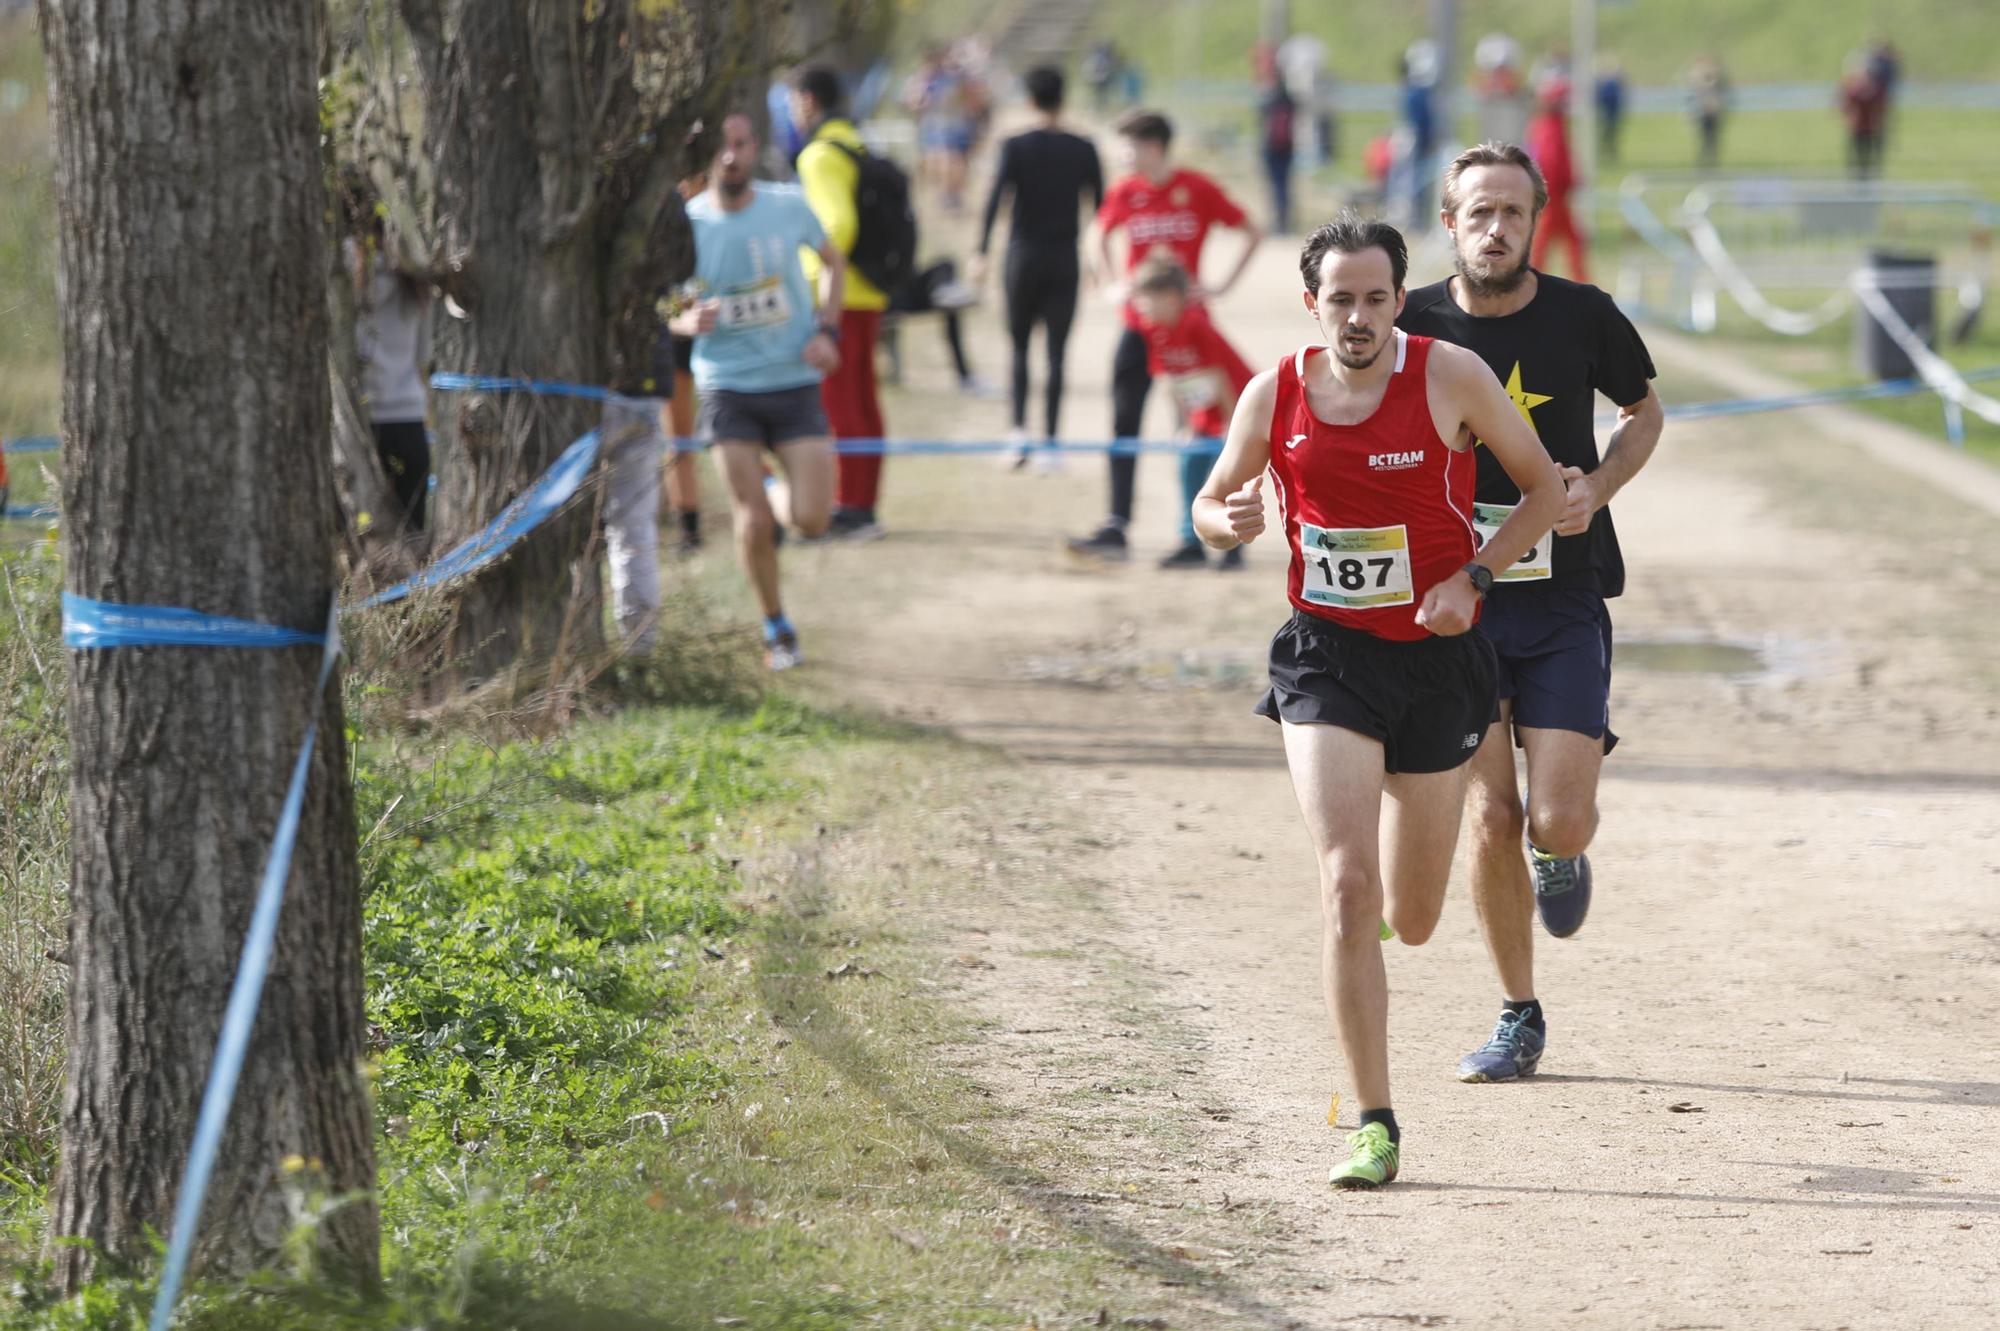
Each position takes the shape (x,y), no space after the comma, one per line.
(1770,1096)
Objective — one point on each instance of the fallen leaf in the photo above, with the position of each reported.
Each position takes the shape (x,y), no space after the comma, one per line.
(1685,1107)
(538,1182)
(847,968)
(916,1241)
(656,1200)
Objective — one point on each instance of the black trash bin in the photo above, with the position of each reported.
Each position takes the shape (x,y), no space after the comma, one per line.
(1909,284)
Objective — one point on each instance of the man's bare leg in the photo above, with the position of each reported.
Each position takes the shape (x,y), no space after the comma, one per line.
(741,463)
(807,492)
(1503,893)
(1420,822)
(1561,818)
(1337,775)
(1563,770)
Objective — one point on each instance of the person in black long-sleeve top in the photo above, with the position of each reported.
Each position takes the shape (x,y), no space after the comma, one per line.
(1052,173)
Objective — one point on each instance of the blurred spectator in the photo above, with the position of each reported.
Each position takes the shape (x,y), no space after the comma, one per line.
(949,105)
(1886,68)
(1263,62)
(1864,105)
(786,136)
(1708,101)
(1610,107)
(1101,70)
(391,337)
(1419,78)
(1548,144)
(1499,89)
(1302,65)
(1277,117)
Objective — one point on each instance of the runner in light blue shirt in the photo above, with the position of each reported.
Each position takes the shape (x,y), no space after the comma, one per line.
(747,259)
(761,347)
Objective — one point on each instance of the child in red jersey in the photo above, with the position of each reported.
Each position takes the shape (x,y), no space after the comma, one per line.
(1205,373)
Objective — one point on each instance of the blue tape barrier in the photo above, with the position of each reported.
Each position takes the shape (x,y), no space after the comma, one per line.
(34,443)
(88,625)
(501,383)
(1816,398)
(977,447)
(24,511)
(529,510)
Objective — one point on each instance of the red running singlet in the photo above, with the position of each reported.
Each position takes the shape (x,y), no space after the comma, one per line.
(1376,514)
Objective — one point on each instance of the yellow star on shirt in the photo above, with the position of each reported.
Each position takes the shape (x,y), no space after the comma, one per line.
(1522,398)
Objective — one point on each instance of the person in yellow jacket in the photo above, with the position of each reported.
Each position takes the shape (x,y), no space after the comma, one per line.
(830,176)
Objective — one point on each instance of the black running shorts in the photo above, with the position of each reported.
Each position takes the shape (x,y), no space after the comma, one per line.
(1429,702)
(770,419)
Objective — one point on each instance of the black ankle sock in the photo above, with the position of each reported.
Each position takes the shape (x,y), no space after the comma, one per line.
(690,522)
(1387,1118)
(1528,1010)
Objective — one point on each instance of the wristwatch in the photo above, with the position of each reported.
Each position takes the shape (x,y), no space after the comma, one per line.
(829,330)
(1482,577)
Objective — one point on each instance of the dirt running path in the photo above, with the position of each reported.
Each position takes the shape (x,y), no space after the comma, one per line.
(1770,1098)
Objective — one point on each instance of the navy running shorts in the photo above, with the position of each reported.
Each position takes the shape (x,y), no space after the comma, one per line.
(1429,702)
(1553,644)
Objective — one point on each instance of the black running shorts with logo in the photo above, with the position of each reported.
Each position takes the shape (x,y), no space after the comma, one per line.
(1553,644)
(770,419)
(1429,702)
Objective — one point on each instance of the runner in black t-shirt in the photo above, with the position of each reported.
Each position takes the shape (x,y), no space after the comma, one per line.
(1051,173)
(1555,345)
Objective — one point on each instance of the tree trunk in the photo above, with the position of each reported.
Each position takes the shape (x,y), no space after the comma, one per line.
(513,168)
(197,473)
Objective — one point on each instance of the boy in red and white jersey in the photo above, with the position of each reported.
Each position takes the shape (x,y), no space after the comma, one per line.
(1205,374)
(1378,681)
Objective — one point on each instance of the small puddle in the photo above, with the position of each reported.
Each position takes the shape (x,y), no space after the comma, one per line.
(1692,657)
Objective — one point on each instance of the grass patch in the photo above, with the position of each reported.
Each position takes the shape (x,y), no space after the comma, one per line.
(30,381)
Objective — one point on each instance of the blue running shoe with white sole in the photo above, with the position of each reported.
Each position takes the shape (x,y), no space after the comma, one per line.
(1515,1050)
(1562,891)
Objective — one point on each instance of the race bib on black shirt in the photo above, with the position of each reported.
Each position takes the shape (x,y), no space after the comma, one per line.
(1554,357)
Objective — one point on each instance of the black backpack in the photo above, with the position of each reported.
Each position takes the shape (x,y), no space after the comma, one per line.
(885,244)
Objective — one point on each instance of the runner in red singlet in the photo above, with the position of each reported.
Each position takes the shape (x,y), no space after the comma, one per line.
(1381,688)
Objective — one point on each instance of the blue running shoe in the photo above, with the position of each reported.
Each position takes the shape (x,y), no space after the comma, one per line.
(1515,1050)
(1562,891)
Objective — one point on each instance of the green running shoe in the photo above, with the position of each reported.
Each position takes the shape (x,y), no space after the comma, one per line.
(1373,1162)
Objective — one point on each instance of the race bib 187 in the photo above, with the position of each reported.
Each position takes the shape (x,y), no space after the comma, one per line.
(1536,565)
(1355,568)
(760,305)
